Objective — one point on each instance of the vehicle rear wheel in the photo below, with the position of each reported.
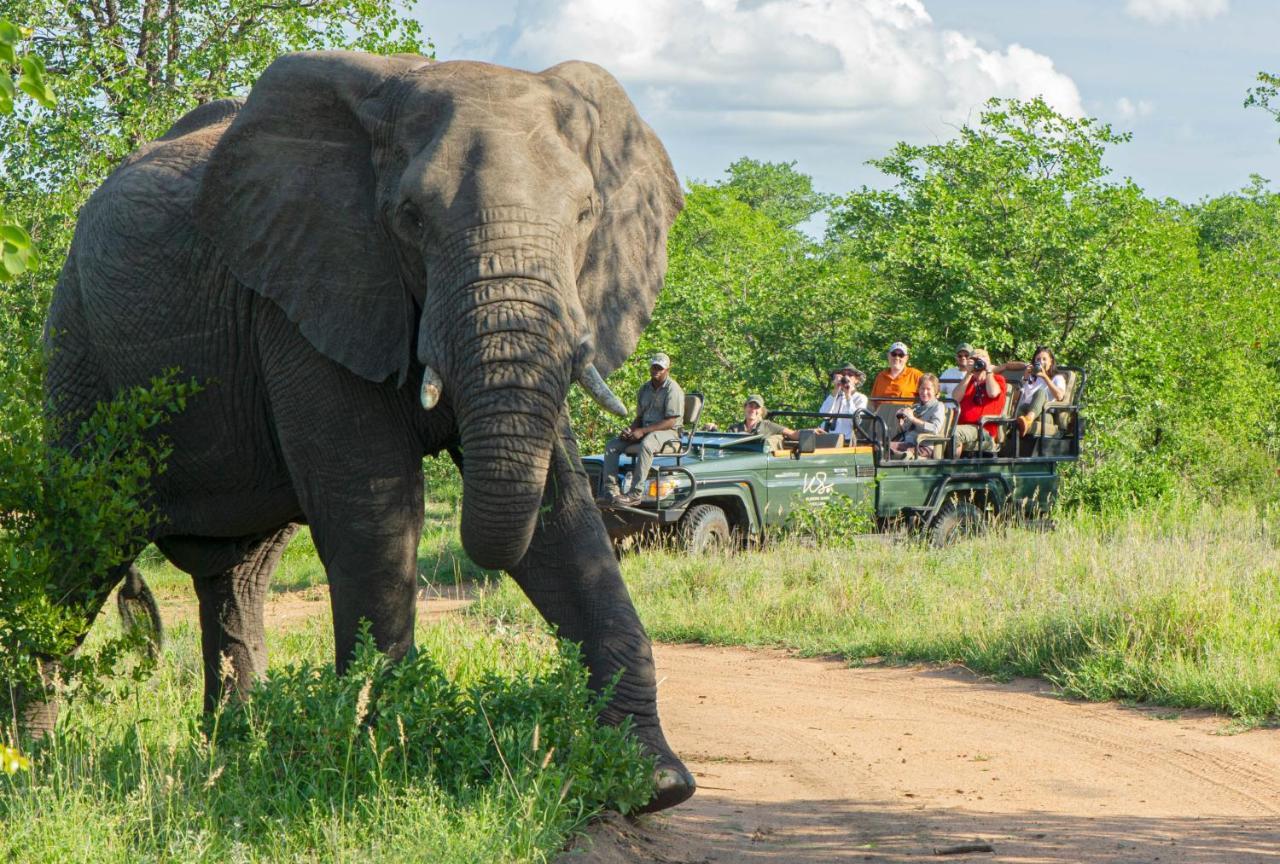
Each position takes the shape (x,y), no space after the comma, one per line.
(704,529)
(956,520)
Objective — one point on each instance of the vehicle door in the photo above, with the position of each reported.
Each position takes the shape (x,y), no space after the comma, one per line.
(812,479)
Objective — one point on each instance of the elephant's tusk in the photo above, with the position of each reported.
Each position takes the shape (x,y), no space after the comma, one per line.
(431,387)
(608,400)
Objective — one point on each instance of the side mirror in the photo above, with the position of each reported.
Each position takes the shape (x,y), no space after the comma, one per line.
(808,441)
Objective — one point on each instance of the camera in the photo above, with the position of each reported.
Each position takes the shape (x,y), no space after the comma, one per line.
(979,365)
(843,379)
(1035,368)
(902,413)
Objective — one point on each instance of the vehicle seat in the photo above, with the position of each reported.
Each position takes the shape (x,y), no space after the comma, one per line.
(941,442)
(1060,423)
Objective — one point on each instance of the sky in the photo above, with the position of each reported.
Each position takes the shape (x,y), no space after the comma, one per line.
(829,84)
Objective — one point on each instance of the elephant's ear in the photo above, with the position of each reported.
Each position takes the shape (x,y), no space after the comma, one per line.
(640,198)
(288,197)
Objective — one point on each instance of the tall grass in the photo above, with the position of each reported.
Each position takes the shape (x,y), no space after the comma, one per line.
(1179,606)
(483,748)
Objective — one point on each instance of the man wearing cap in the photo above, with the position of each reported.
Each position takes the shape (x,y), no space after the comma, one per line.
(953,376)
(659,413)
(844,399)
(753,422)
(899,382)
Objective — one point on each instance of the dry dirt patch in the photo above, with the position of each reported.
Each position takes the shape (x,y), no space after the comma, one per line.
(812,761)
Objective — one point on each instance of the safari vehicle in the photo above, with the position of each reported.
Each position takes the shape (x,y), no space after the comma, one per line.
(722,489)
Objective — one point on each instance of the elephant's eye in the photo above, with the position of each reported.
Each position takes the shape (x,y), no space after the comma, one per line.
(411,215)
(588,210)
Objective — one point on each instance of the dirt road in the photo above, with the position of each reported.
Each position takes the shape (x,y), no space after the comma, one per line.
(811,761)
(805,761)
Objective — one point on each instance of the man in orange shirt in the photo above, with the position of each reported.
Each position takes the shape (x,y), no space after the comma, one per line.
(899,382)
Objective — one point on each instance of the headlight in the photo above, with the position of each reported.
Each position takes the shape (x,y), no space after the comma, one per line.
(665,486)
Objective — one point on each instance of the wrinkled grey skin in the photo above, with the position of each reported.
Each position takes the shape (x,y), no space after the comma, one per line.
(304,255)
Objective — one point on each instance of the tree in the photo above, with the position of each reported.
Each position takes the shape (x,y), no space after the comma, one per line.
(775,189)
(1266,95)
(1013,235)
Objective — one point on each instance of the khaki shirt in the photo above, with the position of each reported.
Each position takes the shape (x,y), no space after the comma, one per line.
(764,427)
(654,406)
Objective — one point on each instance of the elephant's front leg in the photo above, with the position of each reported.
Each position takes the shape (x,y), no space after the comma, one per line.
(571,575)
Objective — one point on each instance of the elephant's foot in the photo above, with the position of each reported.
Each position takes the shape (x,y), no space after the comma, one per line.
(673,783)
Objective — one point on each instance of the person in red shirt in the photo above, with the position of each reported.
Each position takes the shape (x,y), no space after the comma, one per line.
(984,391)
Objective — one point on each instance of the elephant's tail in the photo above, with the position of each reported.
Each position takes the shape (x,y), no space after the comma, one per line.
(139,612)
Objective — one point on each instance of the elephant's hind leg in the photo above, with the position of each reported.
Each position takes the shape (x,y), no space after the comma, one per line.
(231,607)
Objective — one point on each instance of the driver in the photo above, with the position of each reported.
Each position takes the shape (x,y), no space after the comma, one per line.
(659,412)
(753,422)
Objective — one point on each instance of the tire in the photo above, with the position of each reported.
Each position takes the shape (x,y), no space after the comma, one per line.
(956,520)
(705,529)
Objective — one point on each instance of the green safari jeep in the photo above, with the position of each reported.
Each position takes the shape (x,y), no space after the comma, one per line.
(723,489)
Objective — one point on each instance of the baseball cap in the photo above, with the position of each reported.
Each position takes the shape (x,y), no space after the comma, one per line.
(660,359)
(965,347)
(756,398)
(899,346)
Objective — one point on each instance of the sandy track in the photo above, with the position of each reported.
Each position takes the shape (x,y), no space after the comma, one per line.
(811,761)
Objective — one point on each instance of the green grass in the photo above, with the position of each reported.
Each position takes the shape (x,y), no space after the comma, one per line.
(1178,607)
(483,749)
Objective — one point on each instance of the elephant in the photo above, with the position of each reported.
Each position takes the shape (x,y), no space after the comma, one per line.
(367,260)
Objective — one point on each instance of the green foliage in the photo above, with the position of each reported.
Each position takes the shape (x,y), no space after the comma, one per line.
(68,515)
(484,748)
(832,523)
(383,721)
(776,189)
(1265,95)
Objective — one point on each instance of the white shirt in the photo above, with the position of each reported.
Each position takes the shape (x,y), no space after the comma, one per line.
(1029,390)
(842,404)
(949,379)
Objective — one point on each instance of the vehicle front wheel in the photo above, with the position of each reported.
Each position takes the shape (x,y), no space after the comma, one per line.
(956,519)
(704,529)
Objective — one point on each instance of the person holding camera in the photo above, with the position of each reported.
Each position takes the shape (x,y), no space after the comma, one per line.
(982,392)
(926,417)
(659,413)
(844,399)
(1041,383)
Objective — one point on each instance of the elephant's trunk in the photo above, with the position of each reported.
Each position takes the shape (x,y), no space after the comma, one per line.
(512,359)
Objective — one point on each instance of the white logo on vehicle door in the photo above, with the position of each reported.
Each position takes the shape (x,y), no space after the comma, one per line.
(816,484)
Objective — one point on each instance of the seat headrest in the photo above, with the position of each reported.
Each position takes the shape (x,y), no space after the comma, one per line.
(692,408)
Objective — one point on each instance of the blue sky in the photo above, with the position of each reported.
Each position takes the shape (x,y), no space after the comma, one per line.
(832,83)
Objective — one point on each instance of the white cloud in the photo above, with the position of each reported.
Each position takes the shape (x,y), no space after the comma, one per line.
(1129,109)
(785,69)
(1162,11)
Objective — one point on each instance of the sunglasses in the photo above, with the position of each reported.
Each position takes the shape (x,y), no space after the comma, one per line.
(896,354)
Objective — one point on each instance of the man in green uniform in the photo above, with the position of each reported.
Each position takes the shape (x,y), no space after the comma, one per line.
(659,414)
(753,421)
